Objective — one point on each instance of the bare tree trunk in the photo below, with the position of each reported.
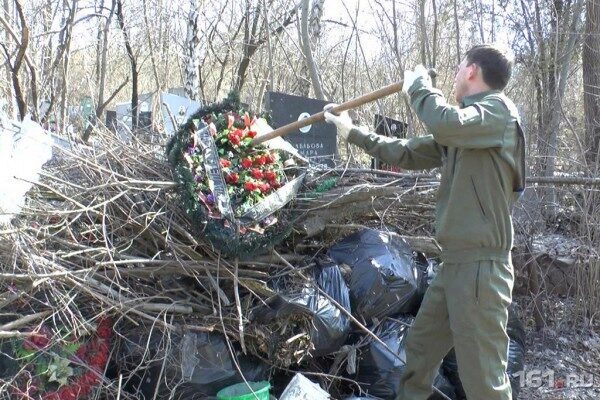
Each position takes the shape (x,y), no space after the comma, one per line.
(66,36)
(480,19)
(99,110)
(558,68)
(591,83)
(16,66)
(58,69)
(10,109)
(99,41)
(423,37)
(493,22)
(102,57)
(23,44)
(133,63)
(457,28)
(534,65)
(151,48)
(192,47)
(250,44)
(269,71)
(591,106)
(433,58)
(101,103)
(307,43)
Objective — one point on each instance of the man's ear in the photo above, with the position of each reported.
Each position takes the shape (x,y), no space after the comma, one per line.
(472,71)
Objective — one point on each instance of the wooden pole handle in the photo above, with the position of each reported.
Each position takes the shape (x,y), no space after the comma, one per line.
(318,117)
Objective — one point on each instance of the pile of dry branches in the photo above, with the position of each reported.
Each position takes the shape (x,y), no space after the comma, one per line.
(104,234)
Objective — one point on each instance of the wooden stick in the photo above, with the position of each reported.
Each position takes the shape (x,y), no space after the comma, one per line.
(318,117)
(18,323)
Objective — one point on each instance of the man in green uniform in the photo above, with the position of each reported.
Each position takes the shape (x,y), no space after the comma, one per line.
(480,147)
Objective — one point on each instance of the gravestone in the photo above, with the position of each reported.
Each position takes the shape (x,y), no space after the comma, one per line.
(317,142)
(87,110)
(124,111)
(145,120)
(111,120)
(178,108)
(389,127)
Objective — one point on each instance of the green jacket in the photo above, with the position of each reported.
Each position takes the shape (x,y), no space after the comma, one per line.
(481,149)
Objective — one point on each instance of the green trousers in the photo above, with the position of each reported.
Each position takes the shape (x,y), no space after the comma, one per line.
(466,306)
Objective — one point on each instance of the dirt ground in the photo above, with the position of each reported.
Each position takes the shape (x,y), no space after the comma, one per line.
(562,360)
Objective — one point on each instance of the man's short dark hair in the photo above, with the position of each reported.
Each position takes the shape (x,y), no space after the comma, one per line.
(495,64)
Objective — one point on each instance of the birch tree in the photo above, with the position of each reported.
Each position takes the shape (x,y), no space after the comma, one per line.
(192,56)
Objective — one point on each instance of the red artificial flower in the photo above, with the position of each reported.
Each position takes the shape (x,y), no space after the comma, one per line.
(225,163)
(232,178)
(256,173)
(264,187)
(251,134)
(250,186)
(270,158)
(246,163)
(260,160)
(234,139)
(275,184)
(270,175)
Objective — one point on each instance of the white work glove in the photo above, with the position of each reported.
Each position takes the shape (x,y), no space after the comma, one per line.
(343,122)
(411,76)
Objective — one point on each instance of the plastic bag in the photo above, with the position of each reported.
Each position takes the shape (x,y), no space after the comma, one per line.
(385,278)
(23,155)
(301,388)
(197,365)
(381,371)
(516,355)
(329,327)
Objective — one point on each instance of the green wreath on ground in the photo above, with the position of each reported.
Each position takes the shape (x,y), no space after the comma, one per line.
(235,193)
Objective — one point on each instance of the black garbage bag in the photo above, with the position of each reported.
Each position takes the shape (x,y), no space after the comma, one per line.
(381,371)
(516,355)
(329,327)
(196,366)
(385,279)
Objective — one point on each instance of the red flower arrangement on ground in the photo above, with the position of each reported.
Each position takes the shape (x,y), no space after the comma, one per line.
(61,371)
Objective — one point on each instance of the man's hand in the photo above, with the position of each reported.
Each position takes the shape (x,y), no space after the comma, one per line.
(411,76)
(343,122)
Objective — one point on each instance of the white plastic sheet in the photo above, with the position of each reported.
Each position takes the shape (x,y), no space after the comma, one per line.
(301,388)
(22,155)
